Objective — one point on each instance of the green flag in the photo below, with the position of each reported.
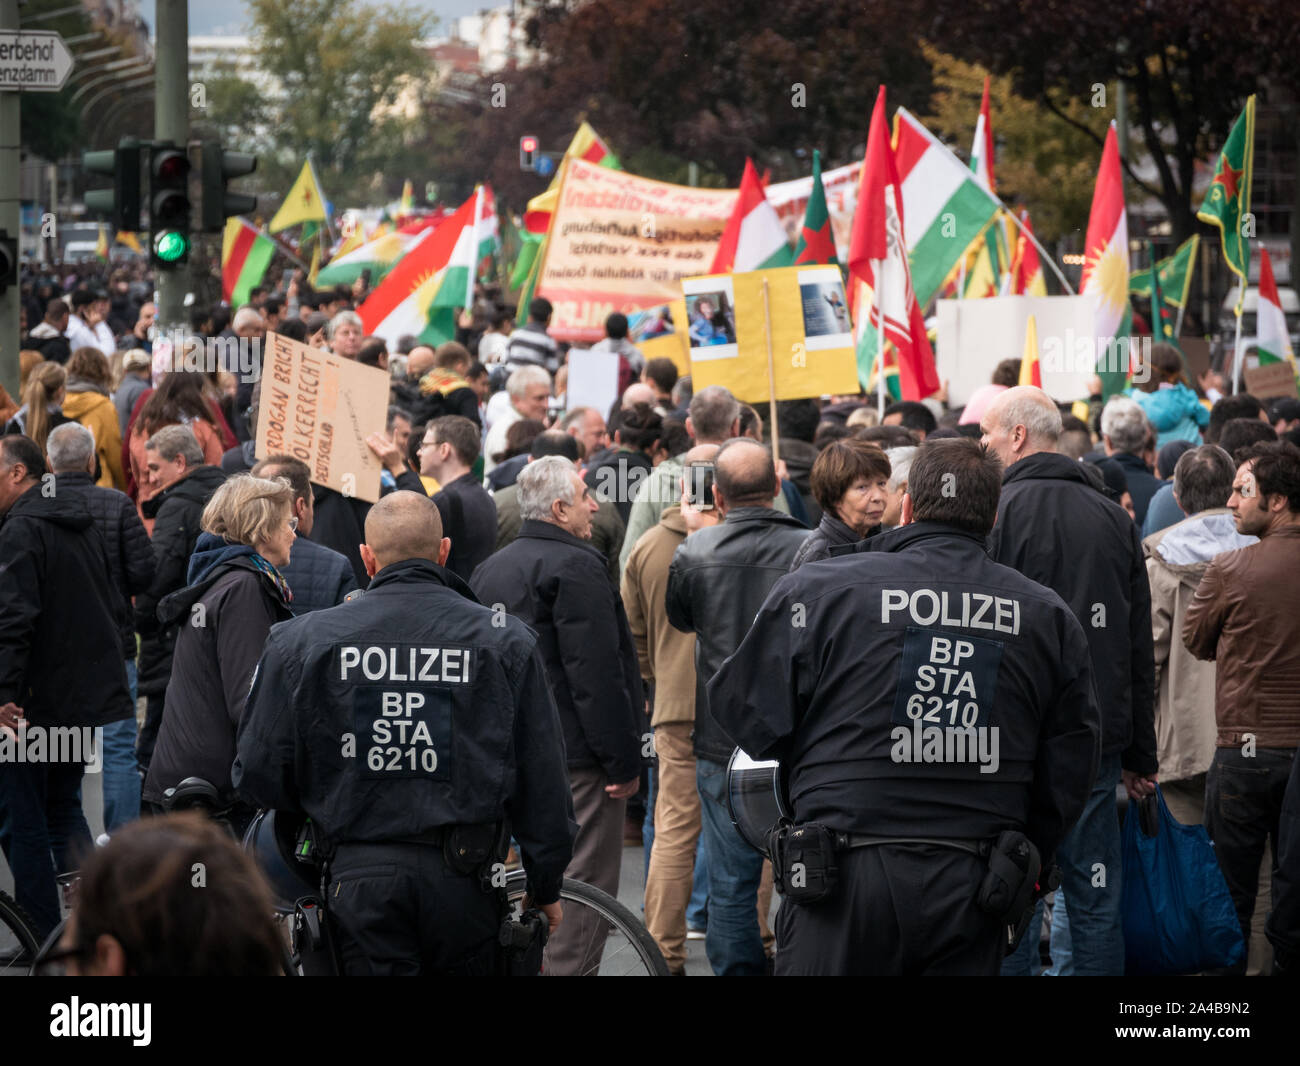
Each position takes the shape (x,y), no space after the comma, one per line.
(1175,274)
(1161,328)
(1227,203)
(816,242)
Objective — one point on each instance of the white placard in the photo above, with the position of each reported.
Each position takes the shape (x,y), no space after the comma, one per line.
(593,380)
(975,335)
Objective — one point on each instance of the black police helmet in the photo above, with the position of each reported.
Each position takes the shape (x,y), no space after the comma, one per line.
(272,839)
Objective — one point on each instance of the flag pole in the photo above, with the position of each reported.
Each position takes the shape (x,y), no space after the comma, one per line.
(1237,359)
(771,376)
(473,237)
(1041,250)
(879,294)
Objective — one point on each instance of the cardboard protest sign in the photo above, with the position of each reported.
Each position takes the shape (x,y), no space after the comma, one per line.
(811,333)
(320,408)
(1270,380)
(618,242)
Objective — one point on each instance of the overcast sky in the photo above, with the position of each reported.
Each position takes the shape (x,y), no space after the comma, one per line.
(229,16)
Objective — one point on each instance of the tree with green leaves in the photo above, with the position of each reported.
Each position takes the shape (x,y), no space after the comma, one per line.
(1043,161)
(1188,66)
(349,83)
(670,82)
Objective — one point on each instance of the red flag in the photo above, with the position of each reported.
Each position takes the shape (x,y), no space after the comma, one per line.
(867,240)
(878,258)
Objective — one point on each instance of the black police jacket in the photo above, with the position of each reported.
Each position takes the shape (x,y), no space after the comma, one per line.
(1057,529)
(861,671)
(410,708)
(560,586)
(718,579)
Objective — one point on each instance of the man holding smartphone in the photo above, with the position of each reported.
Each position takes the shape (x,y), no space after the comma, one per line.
(667,657)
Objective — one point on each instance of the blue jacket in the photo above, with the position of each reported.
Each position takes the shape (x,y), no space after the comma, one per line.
(319,576)
(1175,412)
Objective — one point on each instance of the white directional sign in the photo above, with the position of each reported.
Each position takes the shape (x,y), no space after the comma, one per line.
(33,61)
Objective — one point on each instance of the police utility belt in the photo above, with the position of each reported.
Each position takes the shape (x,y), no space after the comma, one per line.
(468,850)
(805,864)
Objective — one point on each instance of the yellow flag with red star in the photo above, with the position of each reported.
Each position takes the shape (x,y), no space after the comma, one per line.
(305,202)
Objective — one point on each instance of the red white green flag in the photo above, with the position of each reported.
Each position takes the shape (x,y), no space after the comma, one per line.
(878,259)
(245,255)
(421,294)
(1272,340)
(1105,269)
(754,238)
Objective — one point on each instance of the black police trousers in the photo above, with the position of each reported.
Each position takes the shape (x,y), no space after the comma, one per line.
(898,909)
(398,910)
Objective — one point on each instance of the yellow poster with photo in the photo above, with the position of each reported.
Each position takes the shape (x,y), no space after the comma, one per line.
(811,333)
(660,333)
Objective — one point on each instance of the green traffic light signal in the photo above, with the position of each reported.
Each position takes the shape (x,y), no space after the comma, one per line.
(170,246)
(169,204)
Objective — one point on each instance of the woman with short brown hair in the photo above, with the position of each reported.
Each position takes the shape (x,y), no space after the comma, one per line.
(850,482)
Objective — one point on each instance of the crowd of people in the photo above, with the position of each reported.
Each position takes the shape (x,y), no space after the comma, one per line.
(657,553)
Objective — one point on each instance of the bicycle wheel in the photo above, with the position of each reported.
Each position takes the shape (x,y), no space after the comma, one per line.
(604,938)
(18,943)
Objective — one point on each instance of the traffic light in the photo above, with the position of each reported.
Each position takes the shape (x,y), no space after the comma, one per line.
(216,167)
(8,260)
(169,205)
(527,152)
(122,202)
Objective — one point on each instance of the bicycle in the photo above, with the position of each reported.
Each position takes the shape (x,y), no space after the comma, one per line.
(18,942)
(612,941)
(628,947)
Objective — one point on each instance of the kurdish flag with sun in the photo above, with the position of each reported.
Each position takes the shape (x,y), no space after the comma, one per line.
(1105,269)
(421,293)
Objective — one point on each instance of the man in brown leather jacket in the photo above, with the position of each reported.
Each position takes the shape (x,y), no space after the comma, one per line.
(1244,616)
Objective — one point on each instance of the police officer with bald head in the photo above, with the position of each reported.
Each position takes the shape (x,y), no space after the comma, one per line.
(937,725)
(415,727)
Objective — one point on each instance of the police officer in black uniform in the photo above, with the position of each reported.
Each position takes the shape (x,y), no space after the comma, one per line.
(415,727)
(938,729)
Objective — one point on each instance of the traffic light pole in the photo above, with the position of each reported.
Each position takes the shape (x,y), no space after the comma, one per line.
(9,214)
(171,123)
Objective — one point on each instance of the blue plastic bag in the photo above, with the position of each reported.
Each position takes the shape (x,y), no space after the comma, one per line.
(1178,915)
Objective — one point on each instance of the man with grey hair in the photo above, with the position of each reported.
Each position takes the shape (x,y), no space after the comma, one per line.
(71,448)
(1176,560)
(60,668)
(529,393)
(174,460)
(714,418)
(900,463)
(552,579)
(1125,432)
(345,334)
(1057,528)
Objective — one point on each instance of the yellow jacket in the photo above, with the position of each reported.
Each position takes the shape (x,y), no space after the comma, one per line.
(96,412)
